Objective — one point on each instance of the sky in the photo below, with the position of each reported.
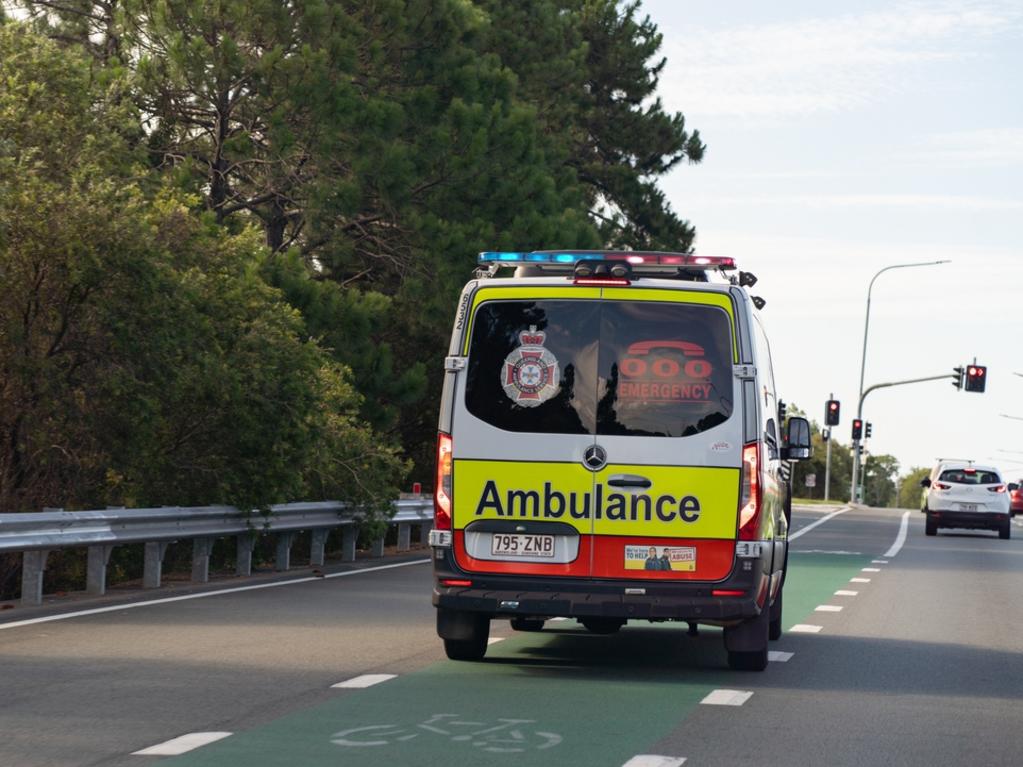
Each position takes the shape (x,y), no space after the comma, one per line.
(843,138)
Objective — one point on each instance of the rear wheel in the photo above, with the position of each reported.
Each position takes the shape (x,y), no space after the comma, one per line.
(527,624)
(1005,530)
(747,643)
(930,526)
(602,625)
(774,629)
(465,634)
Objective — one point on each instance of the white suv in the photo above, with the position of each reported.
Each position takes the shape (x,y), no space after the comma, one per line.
(965,495)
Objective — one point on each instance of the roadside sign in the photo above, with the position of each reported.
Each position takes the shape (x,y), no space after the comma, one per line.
(811,480)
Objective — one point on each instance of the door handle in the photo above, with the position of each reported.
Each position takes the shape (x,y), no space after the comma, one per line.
(629,480)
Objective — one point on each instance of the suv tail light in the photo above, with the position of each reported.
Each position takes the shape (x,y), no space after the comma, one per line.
(942,486)
(750,501)
(442,487)
(997,489)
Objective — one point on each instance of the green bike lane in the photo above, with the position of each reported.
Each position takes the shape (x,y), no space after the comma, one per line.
(561,695)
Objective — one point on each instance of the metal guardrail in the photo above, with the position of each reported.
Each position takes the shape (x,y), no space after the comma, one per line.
(36,534)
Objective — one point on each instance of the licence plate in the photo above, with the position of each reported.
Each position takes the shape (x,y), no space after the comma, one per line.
(518,545)
(967,507)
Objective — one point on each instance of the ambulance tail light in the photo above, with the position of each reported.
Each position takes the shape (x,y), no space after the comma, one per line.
(442,487)
(750,500)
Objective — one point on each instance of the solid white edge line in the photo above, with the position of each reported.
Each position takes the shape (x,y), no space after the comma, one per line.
(821,521)
(777,656)
(900,538)
(363,681)
(655,760)
(202,595)
(182,744)
(727,698)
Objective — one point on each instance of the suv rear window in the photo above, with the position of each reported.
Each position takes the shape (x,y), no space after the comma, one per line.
(963,477)
(640,368)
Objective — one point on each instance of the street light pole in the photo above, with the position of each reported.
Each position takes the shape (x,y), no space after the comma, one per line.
(863,365)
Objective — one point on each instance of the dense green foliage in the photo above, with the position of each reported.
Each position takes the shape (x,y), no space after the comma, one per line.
(232,232)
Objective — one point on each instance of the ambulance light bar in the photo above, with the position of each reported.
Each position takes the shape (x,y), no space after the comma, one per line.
(632,257)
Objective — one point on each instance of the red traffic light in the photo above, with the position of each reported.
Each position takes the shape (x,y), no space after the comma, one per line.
(976,378)
(857,428)
(832,408)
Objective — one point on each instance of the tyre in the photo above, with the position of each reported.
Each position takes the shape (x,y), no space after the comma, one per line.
(527,624)
(774,628)
(930,526)
(1005,530)
(747,643)
(602,625)
(465,634)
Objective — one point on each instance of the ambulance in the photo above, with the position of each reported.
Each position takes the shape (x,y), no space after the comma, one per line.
(611,448)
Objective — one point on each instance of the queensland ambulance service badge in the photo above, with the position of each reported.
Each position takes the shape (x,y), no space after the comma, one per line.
(530,374)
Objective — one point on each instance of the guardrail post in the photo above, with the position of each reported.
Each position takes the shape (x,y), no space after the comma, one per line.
(243,560)
(404,536)
(97,559)
(201,549)
(283,559)
(349,535)
(33,565)
(318,549)
(424,532)
(377,548)
(152,566)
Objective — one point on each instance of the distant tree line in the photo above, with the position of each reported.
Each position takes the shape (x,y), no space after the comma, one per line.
(232,233)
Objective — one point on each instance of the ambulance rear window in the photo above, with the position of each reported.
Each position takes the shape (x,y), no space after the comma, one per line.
(638,368)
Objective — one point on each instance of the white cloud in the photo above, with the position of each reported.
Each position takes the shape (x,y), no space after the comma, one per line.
(957,202)
(824,64)
(990,147)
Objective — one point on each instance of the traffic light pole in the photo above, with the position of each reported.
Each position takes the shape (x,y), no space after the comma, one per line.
(859,409)
(863,364)
(827,461)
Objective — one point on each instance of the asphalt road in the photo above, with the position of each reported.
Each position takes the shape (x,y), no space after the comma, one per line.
(921,666)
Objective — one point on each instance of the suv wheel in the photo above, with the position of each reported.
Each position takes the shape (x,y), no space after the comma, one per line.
(602,625)
(1005,530)
(930,526)
(527,624)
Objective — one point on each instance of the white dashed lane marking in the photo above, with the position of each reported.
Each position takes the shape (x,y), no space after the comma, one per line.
(182,744)
(828,609)
(776,656)
(859,580)
(871,570)
(655,760)
(366,680)
(846,593)
(495,640)
(805,628)
(727,698)
(879,561)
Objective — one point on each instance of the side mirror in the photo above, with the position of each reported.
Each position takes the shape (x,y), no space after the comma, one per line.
(797,440)
(1013,486)
(925,482)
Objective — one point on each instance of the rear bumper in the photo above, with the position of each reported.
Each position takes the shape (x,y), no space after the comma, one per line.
(969,520)
(510,596)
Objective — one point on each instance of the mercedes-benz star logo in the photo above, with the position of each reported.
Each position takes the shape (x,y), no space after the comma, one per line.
(595,457)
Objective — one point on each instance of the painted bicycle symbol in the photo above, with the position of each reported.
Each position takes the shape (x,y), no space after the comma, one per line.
(506,737)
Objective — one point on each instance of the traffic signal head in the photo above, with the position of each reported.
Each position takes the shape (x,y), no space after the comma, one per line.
(867,428)
(831,412)
(857,430)
(976,378)
(957,377)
